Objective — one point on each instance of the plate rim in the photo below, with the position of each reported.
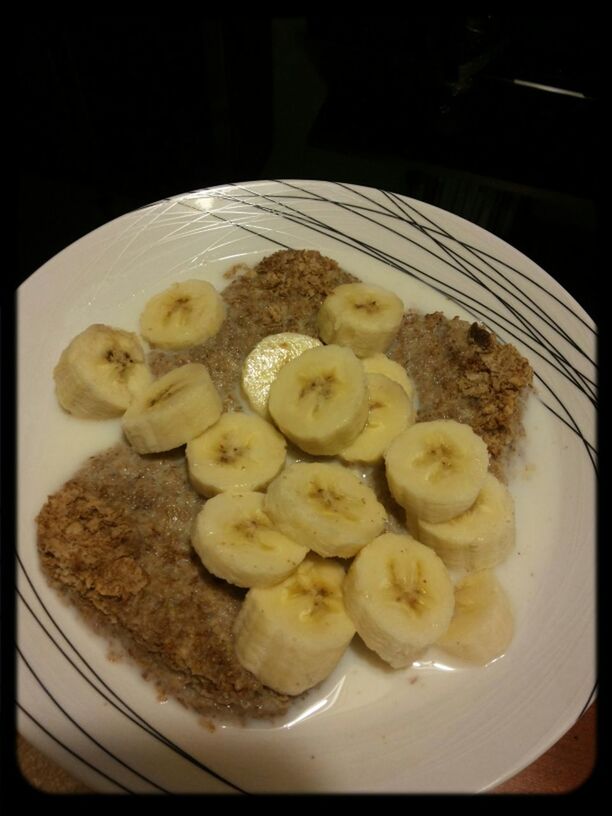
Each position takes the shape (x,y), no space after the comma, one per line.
(461,222)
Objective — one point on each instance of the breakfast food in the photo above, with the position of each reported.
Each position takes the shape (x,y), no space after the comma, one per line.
(436,469)
(239,451)
(326,508)
(390,411)
(400,597)
(479,538)
(172,410)
(115,541)
(365,318)
(99,372)
(292,635)
(237,541)
(183,315)
(262,364)
(122,539)
(320,400)
(462,371)
(483,624)
(381,364)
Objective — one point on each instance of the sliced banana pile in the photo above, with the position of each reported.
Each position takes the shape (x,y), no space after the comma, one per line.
(481,537)
(292,635)
(438,472)
(103,369)
(287,532)
(237,541)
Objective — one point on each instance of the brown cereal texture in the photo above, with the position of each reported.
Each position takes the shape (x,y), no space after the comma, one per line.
(115,540)
(462,372)
(282,294)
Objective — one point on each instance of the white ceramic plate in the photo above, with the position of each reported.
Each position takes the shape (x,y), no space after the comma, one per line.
(366,729)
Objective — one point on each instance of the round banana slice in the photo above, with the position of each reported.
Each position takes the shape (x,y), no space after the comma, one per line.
(265,360)
(481,537)
(320,400)
(435,470)
(391,411)
(400,597)
(236,541)
(291,636)
(99,373)
(325,508)
(361,316)
(240,452)
(482,626)
(172,410)
(381,364)
(186,314)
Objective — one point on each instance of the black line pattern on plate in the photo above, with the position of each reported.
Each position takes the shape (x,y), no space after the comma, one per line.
(592,697)
(568,370)
(532,305)
(573,424)
(143,724)
(83,731)
(139,722)
(323,228)
(433,229)
(69,750)
(138,719)
(395,263)
(476,276)
(135,718)
(430,232)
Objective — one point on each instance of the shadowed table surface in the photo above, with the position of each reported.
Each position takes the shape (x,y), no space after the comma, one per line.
(563,768)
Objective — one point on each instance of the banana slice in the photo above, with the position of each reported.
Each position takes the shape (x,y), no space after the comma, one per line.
(479,538)
(265,360)
(482,627)
(361,316)
(435,470)
(99,373)
(172,410)
(381,364)
(400,597)
(183,315)
(325,508)
(391,411)
(240,452)
(291,636)
(236,541)
(320,400)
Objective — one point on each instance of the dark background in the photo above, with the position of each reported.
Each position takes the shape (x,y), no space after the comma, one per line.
(116,113)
